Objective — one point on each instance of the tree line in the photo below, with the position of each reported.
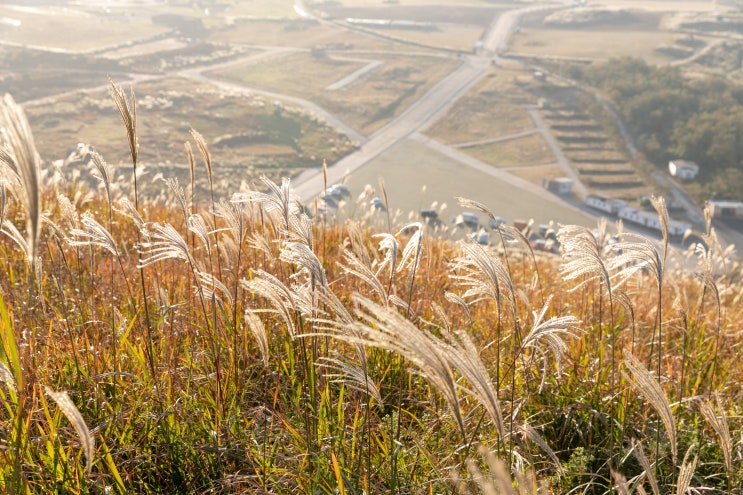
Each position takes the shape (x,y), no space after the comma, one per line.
(674,116)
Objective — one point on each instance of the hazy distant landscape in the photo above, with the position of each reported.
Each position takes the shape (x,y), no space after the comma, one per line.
(243,248)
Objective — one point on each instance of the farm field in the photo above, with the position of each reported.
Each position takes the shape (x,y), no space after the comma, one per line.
(522,151)
(246,135)
(367,103)
(491,109)
(73,30)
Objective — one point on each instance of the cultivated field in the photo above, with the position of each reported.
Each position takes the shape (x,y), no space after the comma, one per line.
(250,137)
(522,151)
(73,30)
(366,104)
(491,109)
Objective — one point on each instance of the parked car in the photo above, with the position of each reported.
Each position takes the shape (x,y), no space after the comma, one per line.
(496,221)
(377,203)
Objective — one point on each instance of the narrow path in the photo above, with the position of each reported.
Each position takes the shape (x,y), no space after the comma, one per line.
(499,139)
(345,81)
(578,186)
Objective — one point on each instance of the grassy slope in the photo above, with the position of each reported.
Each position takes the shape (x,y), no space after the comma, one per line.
(237,362)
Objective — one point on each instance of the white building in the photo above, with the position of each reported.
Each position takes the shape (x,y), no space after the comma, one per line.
(560,185)
(683,169)
(726,209)
(606,204)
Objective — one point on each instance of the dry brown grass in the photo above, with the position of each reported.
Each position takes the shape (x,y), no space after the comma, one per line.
(523,151)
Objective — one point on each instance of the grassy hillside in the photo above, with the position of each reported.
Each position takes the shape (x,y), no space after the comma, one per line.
(174,345)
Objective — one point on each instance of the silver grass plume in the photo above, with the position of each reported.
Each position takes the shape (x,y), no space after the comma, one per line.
(390,247)
(645,385)
(719,425)
(197,225)
(204,149)
(302,256)
(483,275)
(353,376)
(6,376)
(71,412)
(635,253)
(11,231)
(18,151)
(256,327)
(233,215)
(279,200)
(411,254)
(454,298)
(126,208)
(267,286)
(354,266)
(463,355)
(93,234)
(686,472)
(128,111)
(212,287)
(179,195)
(582,257)
(104,172)
(645,463)
(547,336)
(532,434)
(164,243)
(387,329)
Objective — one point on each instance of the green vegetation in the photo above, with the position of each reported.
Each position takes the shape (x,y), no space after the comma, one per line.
(672,116)
(163,346)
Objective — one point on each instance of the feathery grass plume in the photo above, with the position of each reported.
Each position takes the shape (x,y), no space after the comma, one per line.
(582,257)
(483,275)
(269,287)
(442,316)
(205,154)
(620,481)
(353,376)
(464,356)
(212,287)
(411,254)
(719,425)
(279,201)
(233,215)
(300,229)
(532,434)
(710,285)
(625,301)
(302,256)
(386,329)
(68,212)
(165,243)
(197,225)
(357,242)
(3,199)
(686,472)
(645,463)
(354,266)
(128,111)
(261,243)
(643,383)
(255,324)
(659,203)
(507,233)
(71,412)
(382,188)
(180,197)
(104,172)
(93,234)
(547,336)
(126,208)
(635,253)
(6,376)
(390,247)
(11,231)
(18,152)
(454,298)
